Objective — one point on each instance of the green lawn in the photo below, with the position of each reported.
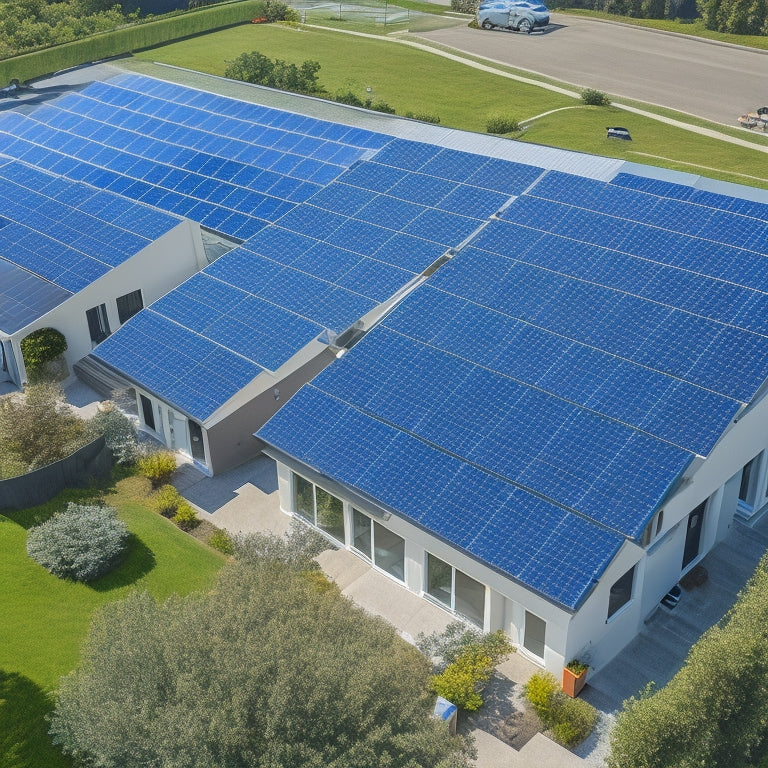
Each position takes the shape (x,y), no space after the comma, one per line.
(412,80)
(45,619)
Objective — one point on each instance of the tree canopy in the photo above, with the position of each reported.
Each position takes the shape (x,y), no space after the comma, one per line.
(273,668)
(714,711)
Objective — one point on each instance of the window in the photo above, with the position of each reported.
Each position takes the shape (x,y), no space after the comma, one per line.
(746,493)
(129,305)
(319,507)
(534,638)
(147,411)
(455,590)
(385,549)
(621,592)
(653,529)
(98,323)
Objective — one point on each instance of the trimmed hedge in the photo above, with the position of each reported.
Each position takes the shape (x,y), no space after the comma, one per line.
(131,38)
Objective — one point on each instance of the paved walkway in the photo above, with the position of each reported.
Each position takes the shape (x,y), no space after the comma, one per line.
(245,500)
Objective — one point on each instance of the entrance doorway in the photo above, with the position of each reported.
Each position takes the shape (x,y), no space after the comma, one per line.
(693,534)
(196,441)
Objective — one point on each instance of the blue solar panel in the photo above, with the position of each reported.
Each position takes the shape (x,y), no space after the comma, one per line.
(493,521)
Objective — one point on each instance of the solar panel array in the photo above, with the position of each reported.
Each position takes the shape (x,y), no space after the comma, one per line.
(63,235)
(324,265)
(230,165)
(582,349)
(516,532)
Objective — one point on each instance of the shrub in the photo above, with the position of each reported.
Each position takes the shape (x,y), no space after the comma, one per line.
(257,68)
(277,11)
(501,124)
(158,466)
(595,98)
(185,517)
(381,106)
(40,347)
(297,549)
(221,541)
(464,6)
(38,429)
(425,117)
(166,500)
(575,720)
(445,647)
(119,433)
(460,681)
(570,720)
(81,543)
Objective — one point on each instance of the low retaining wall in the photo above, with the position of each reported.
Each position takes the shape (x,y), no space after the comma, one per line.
(92,461)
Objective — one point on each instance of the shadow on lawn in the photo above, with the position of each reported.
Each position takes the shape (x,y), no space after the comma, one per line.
(24,740)
(139,561)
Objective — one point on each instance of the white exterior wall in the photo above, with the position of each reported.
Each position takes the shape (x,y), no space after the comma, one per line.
(505,601)
(161,266)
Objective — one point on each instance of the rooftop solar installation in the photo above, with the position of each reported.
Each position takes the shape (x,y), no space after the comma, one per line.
(582,349)
(24,297)
(66,234)
(515,532)
(230,165)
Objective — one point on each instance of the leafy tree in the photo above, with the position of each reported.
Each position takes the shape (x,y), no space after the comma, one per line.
(714,711)
(38,428)
(119,432)
(267,670)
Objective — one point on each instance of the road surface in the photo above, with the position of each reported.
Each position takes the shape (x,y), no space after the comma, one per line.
(716,82)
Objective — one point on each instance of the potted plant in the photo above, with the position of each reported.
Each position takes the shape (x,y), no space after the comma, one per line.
(574,677)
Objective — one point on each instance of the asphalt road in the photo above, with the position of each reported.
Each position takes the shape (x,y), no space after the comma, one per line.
(712,81)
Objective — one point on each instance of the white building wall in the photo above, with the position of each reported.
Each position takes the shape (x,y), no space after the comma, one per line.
(161,266)
(506,601)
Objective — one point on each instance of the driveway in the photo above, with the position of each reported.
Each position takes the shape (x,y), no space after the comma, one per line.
(714,81)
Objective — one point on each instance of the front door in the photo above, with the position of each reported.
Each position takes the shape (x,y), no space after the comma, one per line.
(693,534)
(196,440)
(178,432)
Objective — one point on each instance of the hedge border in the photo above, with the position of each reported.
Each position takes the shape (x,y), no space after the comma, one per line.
(126,40)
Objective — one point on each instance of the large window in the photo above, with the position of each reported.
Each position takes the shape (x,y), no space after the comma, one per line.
(385,549)
(319,508)
(129,305)
(535,635)
(621,592)
(98,323)
(455,590)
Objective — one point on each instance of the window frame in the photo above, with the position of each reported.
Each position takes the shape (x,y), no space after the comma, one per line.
(618,610)
(451,605)
(102,319)
(372,559)
(126,297)
(313,522)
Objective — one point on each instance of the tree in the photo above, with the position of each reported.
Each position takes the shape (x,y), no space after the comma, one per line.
(273,668)
(39,428)
(714,711)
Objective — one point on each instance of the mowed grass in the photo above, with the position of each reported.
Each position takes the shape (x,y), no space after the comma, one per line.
(417,81)
(45,619)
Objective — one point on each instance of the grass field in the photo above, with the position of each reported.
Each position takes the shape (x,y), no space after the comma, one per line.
(412,80)
(45,619)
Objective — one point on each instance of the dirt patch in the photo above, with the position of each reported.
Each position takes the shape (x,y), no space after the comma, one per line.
(504,714)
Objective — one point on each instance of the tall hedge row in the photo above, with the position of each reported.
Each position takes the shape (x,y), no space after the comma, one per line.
(128,39)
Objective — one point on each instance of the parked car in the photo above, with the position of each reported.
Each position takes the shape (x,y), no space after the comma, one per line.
(515,15)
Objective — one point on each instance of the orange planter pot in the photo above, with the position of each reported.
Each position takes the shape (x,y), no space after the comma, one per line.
(573,683)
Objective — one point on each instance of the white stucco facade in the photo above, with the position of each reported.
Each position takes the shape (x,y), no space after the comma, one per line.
(708,496)
(160,266)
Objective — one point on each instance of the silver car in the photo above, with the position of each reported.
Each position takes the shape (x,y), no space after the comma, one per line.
(515,15)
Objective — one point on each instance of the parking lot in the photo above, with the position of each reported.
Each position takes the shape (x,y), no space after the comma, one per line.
(710,80)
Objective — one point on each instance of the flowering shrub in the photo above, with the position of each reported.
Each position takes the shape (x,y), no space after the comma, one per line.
(158,466)
(119,433)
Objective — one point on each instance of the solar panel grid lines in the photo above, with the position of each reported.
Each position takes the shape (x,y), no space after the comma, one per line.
(680,432)
(406,483)
(680,216)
